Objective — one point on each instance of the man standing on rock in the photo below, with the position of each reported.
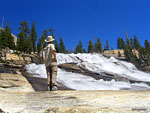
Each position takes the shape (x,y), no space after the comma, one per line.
(50,63)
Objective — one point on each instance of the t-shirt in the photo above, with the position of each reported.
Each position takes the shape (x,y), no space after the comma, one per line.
(48,56)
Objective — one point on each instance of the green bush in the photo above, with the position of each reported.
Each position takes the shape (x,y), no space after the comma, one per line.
(2,61)
(119,54)
(17,53)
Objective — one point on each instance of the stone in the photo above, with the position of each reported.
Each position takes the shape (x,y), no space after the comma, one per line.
(14,83)
(18,96)
(73,67)
(76,102)
(11,68)
(1,111)
(17,59)
(113,52)
(40,84)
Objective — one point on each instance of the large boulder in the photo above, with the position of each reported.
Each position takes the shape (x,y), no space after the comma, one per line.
(73,67)
(18,96)
(19,59)
(76,102)
(11,68)
(9,56)
(14,83)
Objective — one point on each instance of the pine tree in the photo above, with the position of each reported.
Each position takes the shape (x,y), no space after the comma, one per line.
(132,43)
(26,45)
(56,46)
(147,52)
(40,43)
(127,40)
(147,45)
(144,56)
(71,51)
(128,51)
(136,43)
(62,48)
(30,43)
(107,45)
(33,37)
(119,43)
(23,37)
(79,48)
(128,43)
(45,34)
(0,39)
(84,50)
(3,40)
(90,47)
(98,46)
(20,42)
(122,43)
(6,39)
(51,30)
(10,39)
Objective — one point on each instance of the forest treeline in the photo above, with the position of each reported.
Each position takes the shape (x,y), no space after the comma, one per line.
(27,42)
(134,52)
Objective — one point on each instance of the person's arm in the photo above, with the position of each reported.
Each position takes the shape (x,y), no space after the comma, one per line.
(54,54)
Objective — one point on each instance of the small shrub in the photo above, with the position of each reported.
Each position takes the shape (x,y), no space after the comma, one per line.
(17,53)
(119,54)
(2,61)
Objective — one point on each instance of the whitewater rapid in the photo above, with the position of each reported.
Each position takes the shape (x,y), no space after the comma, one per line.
(96,63)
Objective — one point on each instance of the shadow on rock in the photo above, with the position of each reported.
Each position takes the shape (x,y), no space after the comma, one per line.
(40,84)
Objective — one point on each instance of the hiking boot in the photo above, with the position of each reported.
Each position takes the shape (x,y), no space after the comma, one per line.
(54,88)
(48,88)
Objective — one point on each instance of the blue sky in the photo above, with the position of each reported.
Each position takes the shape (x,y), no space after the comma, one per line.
(77,20)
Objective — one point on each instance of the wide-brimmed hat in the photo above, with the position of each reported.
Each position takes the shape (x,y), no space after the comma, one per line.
(49,39)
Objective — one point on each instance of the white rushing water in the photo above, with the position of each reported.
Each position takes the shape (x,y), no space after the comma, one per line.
(96,63)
